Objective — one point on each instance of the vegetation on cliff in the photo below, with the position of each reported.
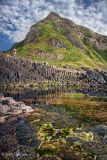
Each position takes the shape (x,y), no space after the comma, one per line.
(59,41)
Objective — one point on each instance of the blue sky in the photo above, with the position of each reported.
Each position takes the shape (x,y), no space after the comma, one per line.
(17,16)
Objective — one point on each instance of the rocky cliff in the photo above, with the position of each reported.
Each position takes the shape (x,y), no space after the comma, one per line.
(15,70)
(60,41)
(56,50)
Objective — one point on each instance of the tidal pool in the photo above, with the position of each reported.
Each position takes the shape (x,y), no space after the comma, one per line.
(84,110)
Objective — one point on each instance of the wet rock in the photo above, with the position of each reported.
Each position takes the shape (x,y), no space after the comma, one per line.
(96,148)
(2,120)
(102,157)
(17,140)
(24,135)
(8,106)
(7,138)
(101,130)
(1,95)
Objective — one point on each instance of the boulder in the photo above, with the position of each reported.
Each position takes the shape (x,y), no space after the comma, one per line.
(8,106)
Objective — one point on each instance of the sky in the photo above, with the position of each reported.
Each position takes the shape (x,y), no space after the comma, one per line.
(17,16)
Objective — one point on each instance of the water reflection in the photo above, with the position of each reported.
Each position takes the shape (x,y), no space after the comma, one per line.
(52,93)
(86,113)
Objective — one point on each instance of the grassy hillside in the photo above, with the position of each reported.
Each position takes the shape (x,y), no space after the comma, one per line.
(87,55)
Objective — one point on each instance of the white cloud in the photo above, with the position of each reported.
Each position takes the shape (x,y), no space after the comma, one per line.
(93,17)
(17,16)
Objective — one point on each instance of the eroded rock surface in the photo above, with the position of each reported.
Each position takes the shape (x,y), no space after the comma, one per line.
(8,106)
(16,70)
(49,56)
(56,43)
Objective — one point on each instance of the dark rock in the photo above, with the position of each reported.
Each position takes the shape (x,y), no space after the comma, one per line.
(25,136)
(1,95)
(102,157)
(14,70)
(72,40)
(56,43)
(101,130)
(32,35)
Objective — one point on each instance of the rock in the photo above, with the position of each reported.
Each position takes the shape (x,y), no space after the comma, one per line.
(49,56)
(102,157)
(8,106)
(53,16)
(56,43)
(2,120)
(32,35)
(101,130)
(96,43)
(14,70)
(25,135)
(1,95)
(72,40)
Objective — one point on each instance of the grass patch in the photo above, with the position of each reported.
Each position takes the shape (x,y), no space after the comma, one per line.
(73,96)
(88,57)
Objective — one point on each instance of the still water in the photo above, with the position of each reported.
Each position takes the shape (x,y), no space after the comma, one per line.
(84,108)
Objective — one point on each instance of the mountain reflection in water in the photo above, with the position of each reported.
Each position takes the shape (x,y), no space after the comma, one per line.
(52,93)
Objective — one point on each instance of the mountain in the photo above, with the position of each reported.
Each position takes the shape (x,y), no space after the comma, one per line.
(75,55)
(61,42)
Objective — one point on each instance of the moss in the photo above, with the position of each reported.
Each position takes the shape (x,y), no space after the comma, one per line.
(60,138)
(86,32)
(76,57)
(73,96)
(95,53)
(103,53)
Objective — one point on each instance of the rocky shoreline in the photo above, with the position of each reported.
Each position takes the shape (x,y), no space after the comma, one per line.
(10,107)
(18,133)
(18,140)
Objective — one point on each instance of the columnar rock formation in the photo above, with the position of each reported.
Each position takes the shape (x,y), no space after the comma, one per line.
(15,70)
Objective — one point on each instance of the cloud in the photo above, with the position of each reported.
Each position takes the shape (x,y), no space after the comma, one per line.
(94,16)
(17,16)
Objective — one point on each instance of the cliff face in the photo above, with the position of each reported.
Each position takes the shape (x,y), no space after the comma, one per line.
(74,54)
(14,70)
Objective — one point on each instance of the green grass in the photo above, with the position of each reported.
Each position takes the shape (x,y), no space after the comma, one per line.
(103,53)
(97,54)
(88,57)
(73,96)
